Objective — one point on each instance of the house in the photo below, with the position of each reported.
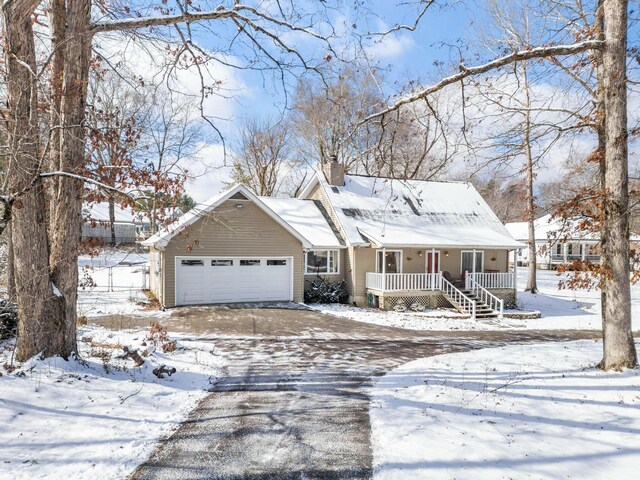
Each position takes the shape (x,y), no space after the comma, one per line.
(556,243)
(396,244)
(96,226)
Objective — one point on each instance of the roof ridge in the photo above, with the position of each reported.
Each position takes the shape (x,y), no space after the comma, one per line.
(382,177)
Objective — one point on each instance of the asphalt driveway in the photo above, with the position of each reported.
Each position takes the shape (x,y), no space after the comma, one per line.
(293,401)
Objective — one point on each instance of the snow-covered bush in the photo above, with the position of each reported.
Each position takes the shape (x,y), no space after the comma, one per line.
(322,290)
(400,307)
(417,307)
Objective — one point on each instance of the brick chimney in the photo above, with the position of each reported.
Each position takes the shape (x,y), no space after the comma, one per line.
(334,171)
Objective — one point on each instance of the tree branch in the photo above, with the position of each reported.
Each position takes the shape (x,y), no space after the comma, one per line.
(521,55)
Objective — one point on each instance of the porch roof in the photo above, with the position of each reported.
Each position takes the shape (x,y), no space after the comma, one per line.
(441,237)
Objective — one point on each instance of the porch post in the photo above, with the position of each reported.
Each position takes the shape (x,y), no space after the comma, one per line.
(433,266)
(583,248)
(515,281)
(473,268)
(384,261)
(564,252)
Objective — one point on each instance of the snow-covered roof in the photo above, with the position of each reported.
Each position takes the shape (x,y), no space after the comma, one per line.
(549,229)
(305,217)
(392,212)
(308,225)
(99,212)
(518,230)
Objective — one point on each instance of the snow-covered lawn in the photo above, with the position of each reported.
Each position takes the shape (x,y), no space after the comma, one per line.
(78,419)
(530,411)
(560,309)
(112,282)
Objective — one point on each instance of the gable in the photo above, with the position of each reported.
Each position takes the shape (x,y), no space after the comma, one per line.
(234,227)
(202,211)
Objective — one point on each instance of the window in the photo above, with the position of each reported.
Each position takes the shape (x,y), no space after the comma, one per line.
(321,261)
(390,259)
(558,249)
(222,263)
(192,263)
(276,263)
(249,263)
(467,261)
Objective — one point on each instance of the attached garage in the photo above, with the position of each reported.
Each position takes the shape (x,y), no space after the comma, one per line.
(210,280)
(236,248)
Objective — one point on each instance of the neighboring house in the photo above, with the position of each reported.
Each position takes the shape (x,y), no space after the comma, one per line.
(143,223)
(396,244)
(96,226)
(556,243)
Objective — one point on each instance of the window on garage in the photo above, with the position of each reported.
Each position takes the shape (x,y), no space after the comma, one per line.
(192,263)
(321,261)
(276,263)
(221,263)
(249,262)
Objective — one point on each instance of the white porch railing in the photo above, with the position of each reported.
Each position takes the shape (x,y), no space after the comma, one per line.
(465,304)
(489,280)
(394,282)
(485,296)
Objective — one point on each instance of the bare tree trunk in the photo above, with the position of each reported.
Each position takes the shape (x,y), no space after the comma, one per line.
(619,347)
(39,308)
(11,271)
(112,220)
(66,220)
(602,145)
(154,210)
(532,284)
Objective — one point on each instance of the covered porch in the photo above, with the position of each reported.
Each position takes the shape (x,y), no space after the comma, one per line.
(569,251)
(473,281)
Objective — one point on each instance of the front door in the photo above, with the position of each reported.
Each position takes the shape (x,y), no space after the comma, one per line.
(433,262)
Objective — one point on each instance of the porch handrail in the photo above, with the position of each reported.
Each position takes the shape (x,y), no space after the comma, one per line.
(490,279)
(465,303)
(394,282)
(485,296)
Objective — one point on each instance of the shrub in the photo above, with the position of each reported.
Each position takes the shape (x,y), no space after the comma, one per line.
(322,290)
(8,319)
(158,337)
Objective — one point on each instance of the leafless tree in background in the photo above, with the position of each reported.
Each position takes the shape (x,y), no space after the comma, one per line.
(263,161)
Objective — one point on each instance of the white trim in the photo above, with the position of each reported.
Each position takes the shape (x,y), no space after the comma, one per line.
(426,258)
(224,257)
(337,261)
(309,186)
(390,251)
(474,260)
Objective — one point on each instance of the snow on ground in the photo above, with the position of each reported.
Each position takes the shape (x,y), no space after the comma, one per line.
(74,419)
(111,283)
(560,309)
(524,411)
(563,308)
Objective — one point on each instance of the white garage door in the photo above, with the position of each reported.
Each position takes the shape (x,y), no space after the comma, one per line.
(204,280)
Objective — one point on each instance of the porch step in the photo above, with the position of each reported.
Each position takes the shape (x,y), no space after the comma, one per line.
(482,309)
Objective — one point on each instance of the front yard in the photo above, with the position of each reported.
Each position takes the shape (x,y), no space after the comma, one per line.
(534,411)
(96,416)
